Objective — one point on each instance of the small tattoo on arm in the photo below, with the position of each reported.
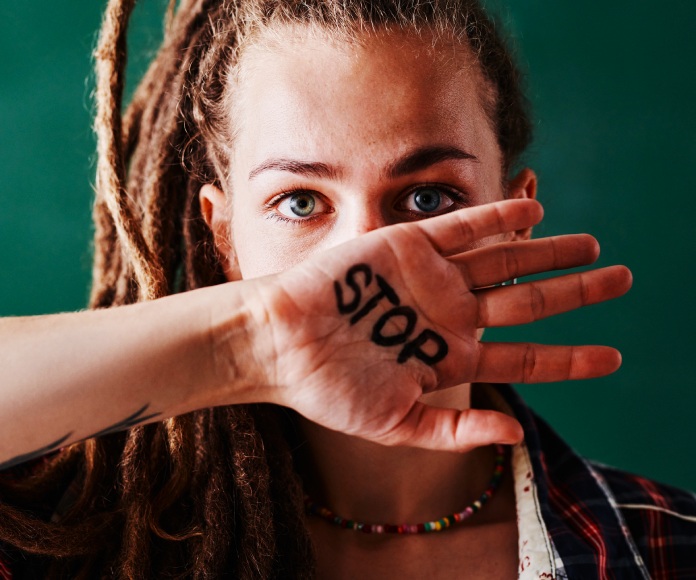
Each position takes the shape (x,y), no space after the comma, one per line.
(34,454)
(133,420)
(358,279)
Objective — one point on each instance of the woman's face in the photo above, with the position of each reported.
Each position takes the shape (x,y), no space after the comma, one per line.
(335,139)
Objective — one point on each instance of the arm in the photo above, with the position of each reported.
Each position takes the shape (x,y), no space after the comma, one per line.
(351,339)
(68,377)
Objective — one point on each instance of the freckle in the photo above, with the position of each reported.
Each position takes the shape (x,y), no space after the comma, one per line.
(529,475)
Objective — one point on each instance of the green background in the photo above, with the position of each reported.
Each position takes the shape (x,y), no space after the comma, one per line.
(613,88)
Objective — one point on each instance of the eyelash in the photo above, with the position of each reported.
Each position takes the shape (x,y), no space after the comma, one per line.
(456,196)
(273,203)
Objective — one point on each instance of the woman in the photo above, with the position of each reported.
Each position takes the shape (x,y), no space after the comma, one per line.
(294,150)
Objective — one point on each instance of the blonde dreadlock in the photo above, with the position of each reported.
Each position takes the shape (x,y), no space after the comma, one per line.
(213,493)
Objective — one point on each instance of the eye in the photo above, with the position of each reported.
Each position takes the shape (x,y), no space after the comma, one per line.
(301,204)
(430,199)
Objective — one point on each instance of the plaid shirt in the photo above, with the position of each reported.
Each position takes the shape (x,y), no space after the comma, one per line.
(580,520)
(591,521)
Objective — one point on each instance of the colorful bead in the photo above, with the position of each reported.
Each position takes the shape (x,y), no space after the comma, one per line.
(315,509)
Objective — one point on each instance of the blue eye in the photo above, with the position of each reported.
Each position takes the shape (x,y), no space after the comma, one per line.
(427,199)
(300,204)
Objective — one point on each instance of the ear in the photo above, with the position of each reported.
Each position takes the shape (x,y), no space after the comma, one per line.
(523,185)
(216,213)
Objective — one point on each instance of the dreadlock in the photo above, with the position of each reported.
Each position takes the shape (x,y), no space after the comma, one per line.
(213,493)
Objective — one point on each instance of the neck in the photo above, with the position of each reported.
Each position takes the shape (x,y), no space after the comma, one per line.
(368,482)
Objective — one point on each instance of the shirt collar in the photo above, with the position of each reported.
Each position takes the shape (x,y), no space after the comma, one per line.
(573,505)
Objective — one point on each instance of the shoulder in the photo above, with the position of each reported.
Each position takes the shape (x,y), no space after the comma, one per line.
(661,519)
(634,490)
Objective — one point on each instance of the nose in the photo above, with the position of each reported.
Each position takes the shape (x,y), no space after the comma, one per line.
(369,222)
(361,220)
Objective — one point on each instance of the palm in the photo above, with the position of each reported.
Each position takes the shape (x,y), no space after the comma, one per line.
(362,331)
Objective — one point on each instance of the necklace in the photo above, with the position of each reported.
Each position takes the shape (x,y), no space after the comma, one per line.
(314,509)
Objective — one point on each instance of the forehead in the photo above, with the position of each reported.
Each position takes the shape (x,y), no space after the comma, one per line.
(310,94)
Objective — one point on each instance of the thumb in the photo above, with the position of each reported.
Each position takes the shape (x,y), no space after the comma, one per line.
(453,430)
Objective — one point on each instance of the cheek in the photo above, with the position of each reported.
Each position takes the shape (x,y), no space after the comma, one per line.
(256,254)
(253,251)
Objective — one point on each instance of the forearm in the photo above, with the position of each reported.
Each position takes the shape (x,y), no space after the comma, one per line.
(68,377)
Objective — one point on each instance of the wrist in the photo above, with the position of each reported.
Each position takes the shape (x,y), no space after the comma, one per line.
(237,349)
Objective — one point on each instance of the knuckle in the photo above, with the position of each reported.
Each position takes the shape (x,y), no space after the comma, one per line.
(529,364)
(466,276)
(466,231)
(537,301)
(510,263)
(572,364)
(500,219)
(583,290)
(482,314)
(555,254)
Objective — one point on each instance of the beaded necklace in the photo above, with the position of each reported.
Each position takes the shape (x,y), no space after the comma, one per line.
(314,509)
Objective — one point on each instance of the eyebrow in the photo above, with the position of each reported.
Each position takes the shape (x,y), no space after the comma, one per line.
(417,160)
(305,168)
(424,157)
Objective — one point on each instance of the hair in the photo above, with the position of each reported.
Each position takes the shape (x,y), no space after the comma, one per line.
(213,493)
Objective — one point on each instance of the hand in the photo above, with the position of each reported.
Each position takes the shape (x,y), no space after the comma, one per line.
(359,333)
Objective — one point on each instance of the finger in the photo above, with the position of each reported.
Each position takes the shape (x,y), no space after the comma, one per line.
(452,430)
(454,232)
(501,262)
(536,300)
(501,362)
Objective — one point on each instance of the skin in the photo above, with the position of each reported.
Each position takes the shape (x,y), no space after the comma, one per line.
(368,108)
(357,110)
(376,448)
(354,111)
